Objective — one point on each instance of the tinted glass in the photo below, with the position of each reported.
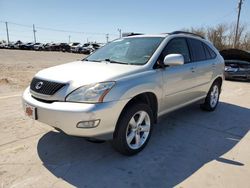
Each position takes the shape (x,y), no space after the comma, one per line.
(177,46)
(210,54)
(197,50)
(207,53)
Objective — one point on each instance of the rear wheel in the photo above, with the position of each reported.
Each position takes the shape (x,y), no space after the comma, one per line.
(133,129)
(212,98)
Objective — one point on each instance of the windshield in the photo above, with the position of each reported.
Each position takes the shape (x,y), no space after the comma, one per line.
(135,51)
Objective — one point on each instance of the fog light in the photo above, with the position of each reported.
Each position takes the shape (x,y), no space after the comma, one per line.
(88,124)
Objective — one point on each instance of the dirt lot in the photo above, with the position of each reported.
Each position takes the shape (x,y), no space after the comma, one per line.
(17,67)
(188,148)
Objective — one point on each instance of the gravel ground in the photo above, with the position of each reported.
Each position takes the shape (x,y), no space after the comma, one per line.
(17,67)
(188,148)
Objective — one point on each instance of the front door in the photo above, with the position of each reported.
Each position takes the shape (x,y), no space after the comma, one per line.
(179,81)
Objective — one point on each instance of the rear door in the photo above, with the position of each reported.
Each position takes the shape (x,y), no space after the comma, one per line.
(205,64)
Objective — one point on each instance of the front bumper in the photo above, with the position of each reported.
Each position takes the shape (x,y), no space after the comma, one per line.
(66,115)
(238,75)
(74,49)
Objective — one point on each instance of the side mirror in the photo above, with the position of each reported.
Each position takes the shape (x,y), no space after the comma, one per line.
(174,60)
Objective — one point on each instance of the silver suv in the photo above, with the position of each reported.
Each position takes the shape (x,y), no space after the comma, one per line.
(119,91)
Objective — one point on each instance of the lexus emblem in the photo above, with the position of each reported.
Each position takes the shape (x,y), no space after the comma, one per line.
(39,85)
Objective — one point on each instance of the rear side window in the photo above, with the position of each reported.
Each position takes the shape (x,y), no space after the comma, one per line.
(197,50)
(209,52)
(177,46)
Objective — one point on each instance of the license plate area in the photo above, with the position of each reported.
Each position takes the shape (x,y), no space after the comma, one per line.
(31,111)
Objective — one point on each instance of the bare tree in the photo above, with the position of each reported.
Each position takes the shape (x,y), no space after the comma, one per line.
(240,37)
(199,31)
(217,35)
(246,42)
(223,35)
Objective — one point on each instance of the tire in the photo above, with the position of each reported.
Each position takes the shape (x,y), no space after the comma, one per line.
(132,133)
(212,98)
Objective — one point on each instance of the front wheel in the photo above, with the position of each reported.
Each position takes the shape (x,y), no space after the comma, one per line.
(212,98)
(133,129)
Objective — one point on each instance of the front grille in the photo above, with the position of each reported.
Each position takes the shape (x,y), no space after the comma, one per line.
(240,77)
(45,87)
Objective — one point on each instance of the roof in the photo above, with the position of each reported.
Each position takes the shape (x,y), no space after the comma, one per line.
(178,33)
(148,35)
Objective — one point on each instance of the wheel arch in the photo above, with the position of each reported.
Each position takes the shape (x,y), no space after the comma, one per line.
(219,79)
(148,98)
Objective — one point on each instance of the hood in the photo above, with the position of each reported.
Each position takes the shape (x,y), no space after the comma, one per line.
(85,72)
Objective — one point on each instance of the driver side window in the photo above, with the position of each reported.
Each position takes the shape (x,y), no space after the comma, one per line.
(177,46)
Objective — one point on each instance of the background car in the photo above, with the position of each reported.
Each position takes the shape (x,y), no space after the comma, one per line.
(27,46)
(38,46)
(74,47)
(237,64)
(3,45)
(18,44)
(88,48)
(49,46)
(237,69)
(64,47)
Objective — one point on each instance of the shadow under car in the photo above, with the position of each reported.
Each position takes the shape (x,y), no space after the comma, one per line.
(181,143)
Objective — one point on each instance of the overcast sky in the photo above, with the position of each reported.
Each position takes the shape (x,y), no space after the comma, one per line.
(90,20)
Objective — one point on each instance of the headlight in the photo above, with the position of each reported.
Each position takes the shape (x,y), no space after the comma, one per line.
(231,69)
(93,93)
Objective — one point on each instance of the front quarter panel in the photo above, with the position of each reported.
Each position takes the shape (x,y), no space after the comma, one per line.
(130,86)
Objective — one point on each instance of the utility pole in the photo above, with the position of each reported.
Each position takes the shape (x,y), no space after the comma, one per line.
(69,38)
(7,31)
(107,37)
(120,32)
(237,25)
(34,31)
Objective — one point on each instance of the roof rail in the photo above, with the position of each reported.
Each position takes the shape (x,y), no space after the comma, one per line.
(185,32)
(130,34)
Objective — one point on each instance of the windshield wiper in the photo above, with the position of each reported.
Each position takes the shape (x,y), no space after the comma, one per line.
(92,60)
(118,62)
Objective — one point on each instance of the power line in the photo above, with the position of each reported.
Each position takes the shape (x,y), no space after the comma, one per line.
(225,16)
(58,30)
(22,25)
